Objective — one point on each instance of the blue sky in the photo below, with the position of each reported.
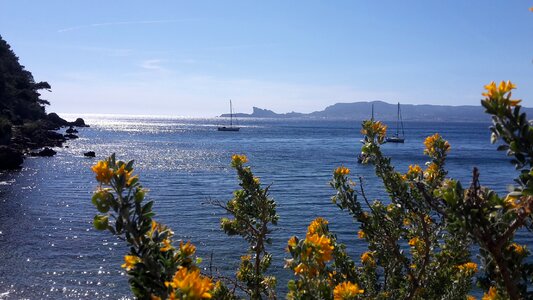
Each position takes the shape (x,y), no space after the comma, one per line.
(188,58)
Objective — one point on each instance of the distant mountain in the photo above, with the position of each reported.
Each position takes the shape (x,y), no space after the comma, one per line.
(265,113)
(386,112)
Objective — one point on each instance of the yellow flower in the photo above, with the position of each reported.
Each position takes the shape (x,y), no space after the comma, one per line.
(256,180)
(130,261)
(492,90)
(413,172)
(470,297)
(523,204)
(322,247)
(505,87)
(191,284)
(406,222)
(380,129)
(103,172)
(167,247)
(342,171)
(246,257)
(155,226)
(512,202)
(374,129)
(239,159)
(188,249)
(293,241)
(468,267)
(154,297)
(368,259)
(131,179)
(317,226)
(159,228)
(300,269)
(430,141)
(414,169)
(518,249)
(514,102)
(492,294)
(434,144)
(361,234)
(498,93)
(427,219)
(346,290)
(414,241)
(431,172)
(121,172)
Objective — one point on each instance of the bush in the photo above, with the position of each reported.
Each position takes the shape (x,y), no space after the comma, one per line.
(420,242)
(5,131)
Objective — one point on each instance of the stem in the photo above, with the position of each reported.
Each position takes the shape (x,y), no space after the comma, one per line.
(258,250)
(511,288)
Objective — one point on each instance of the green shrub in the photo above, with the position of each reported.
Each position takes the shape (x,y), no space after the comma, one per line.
(5,131)
(421,241)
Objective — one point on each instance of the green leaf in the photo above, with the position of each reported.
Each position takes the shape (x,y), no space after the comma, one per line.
(147,207)
(100,222)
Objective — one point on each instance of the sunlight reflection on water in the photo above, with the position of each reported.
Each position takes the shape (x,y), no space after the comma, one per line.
(49,249)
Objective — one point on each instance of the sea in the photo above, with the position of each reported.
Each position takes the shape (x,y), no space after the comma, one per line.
(49,249)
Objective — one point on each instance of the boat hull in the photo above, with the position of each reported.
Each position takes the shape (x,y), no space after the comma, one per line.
(224,128)
(395,140)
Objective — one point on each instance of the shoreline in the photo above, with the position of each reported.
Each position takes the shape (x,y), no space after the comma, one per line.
(36,138)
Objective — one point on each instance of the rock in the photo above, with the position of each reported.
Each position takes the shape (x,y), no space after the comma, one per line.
(79,123)
(60,122)
(46,152)
(10,158)
(54,118)
(71,136)
(71,130)
(52,135)
(90,154)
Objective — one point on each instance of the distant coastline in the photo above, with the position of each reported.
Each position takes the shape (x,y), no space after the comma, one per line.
(384,111)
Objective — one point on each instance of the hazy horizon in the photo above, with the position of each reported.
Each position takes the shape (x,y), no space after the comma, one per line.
(188,59)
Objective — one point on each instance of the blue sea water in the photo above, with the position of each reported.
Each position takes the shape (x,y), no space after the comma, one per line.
(48,248)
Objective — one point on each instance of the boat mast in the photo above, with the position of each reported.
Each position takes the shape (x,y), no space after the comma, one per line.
(230,114)
(401,120)
(398,121)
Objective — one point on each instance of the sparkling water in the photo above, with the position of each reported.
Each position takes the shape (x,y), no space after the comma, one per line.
(48,248)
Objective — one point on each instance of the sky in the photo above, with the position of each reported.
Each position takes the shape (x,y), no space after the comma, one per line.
(189,58)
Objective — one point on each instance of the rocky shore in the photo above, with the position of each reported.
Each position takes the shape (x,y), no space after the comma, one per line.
(35,139)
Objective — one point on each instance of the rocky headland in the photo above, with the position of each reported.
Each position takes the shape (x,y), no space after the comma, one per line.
(25,127)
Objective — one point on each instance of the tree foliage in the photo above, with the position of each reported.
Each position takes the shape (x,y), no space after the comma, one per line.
(20,99)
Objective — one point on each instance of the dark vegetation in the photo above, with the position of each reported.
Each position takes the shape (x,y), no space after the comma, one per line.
(24,123)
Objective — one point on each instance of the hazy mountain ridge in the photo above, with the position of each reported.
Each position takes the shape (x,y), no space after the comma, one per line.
(385,111)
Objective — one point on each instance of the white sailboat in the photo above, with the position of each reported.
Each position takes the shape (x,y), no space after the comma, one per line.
(396,138)
(230,127)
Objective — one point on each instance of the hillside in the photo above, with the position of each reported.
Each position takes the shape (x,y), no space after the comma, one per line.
(24,124)
(386,112)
